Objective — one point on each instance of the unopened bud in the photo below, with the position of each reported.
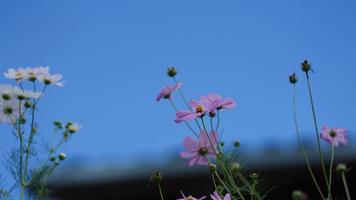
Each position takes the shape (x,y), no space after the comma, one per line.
(212,114)
(254,176)
(237,144)
(235,167)
(28,104)
(297,195)
(171,71)
(58,124)
(341,168)
(156,177)
(212,167)
(306,66)
(293,78)
(62,156)
(52,158)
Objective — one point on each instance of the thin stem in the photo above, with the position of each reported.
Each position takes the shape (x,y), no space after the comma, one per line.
(302,146)
(22,175)
(186,102)
(186,123)
(206,132)
(218,123)
(345,185)
(160,191)
(316,128)
(330,171)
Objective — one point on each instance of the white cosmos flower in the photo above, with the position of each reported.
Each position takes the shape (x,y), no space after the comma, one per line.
(73,127)
(16,92)
(16,74)
(9,111)
(32,74)
(50,79)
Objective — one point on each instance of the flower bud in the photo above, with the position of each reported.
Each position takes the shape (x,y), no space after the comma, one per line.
(235,167)
(62,156)
(171,71)
(212,114)
(237,144)
(28,104)
(306,66)
(22,120)
(254,176)
(156,177)
(52,158)
(212,168)
(341,168)
(58,124)
(297,195)
(293,78)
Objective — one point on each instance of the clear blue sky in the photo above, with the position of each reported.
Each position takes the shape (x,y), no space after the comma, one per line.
(113,56)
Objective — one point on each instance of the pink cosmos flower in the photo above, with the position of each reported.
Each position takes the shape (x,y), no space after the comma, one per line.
(190,197)
(198,150)
(167,91)
(334,136)
(226,103)
(199,109)
(215,196)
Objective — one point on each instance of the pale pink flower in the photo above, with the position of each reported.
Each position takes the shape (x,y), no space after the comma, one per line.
(190,197)
(167,91)
(226,103)
(198,150)
(199,109)
(334,136)
(216,196)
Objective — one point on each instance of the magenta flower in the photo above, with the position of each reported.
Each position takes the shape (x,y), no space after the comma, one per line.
(334,136)
(199,109)
(167,91)
(198,150)
(216,196)
(190,197)
(226,103)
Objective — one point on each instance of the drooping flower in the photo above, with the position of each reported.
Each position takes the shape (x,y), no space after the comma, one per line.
(9,110)
(7,92)
(216,196)
(16,74)
(198,150)
(167,91)
(334,136)
(190,197)
(49,79)
(199,109)
(226,103)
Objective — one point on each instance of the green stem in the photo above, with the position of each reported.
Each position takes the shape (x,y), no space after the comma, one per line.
(316,128)
(218,123)
(186,102)
(160,191)
(22,175)
(330,171)
(345,185)
(186,123)
(302,146)
(211,142)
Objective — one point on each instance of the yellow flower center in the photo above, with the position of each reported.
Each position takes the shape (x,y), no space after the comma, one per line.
(199,109)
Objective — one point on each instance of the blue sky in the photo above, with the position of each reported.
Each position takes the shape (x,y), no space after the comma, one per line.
(113,56)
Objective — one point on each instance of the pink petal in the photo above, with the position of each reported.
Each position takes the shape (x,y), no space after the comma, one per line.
(193,161)
(190,144)
(188,154)
(202,160)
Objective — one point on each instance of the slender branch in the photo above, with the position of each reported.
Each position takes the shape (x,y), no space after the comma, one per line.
(160,191)
(302,145)
(316,128)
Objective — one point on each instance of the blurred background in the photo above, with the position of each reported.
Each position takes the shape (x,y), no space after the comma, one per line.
(114,54)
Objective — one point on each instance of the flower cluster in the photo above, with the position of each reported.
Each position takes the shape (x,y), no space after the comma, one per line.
(32,74)
(207,148)
(18,107)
